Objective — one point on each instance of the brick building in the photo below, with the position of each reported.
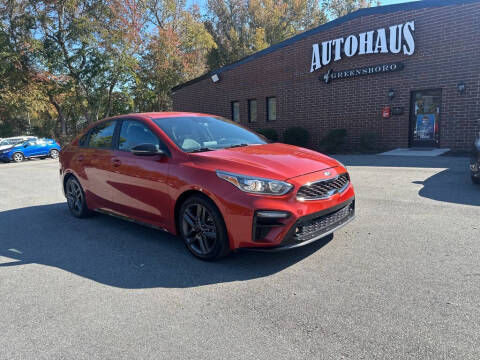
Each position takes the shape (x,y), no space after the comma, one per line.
(408,73)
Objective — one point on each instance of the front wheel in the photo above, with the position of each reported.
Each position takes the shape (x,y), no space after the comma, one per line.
(54,153)
(202,229)
(18,157)
(76,199)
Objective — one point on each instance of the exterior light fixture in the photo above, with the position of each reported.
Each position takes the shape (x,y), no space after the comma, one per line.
(215,78)
(391,94)
(461,88)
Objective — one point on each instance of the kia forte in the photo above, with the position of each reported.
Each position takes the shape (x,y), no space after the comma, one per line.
(215,184)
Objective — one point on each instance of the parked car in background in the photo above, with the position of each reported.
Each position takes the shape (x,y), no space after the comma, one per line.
(475,161)
(216,184)
(33,148)
(9,142)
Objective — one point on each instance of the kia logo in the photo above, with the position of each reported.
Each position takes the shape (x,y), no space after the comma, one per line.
(327,173)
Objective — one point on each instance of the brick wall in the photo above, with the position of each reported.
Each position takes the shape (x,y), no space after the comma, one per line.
(447,51)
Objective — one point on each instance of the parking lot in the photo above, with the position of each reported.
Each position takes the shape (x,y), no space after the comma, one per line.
(401,281)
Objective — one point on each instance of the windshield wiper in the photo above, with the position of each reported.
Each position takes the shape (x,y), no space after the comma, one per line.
(201,150)
(237,145)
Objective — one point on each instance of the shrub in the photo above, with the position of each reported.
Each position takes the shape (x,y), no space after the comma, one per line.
(334,141)
(369,143)
(269,133)
(297,135)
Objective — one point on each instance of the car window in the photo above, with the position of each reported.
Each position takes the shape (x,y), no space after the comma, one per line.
(197,133)
(134,133)
(83,140)
(101,135)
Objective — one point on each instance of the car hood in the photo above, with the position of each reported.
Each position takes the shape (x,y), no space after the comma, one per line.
(275,161)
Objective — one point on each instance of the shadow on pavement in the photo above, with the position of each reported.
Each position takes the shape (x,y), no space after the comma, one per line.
(123,254)
(450,184)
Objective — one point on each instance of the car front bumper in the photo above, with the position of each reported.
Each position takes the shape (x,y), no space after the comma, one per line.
(307,221)
(311,228)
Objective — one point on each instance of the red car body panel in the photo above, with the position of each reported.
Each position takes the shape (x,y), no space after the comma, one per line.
(148,189)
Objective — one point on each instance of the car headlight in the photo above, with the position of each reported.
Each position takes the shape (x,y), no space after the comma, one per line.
(256,185)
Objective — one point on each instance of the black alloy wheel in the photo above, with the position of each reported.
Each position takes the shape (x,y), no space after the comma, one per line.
(202,228)
(76,198)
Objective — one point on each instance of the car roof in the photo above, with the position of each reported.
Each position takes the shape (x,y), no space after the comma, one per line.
(165,114)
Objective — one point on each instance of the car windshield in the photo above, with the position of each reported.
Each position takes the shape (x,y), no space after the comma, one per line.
(205,133)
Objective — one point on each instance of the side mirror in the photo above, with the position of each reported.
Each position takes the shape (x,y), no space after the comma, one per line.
(146,150)
(26,145)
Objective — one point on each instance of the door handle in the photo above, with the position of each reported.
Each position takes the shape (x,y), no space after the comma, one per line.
(116,162)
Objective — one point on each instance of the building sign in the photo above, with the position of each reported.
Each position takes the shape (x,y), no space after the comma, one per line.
(367,70)
(399,39)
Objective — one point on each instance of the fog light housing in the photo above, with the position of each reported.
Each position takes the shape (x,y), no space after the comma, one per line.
(270,214)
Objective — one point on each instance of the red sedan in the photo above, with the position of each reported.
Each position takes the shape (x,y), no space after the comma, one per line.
(214,183)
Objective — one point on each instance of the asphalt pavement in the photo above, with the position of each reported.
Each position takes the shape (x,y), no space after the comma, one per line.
(400,282)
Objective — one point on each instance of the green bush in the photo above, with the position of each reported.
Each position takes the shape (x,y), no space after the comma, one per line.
(269,133)
(334,141)
(297,135)
(369,143)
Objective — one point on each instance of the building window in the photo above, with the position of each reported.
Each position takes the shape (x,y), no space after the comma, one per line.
(252,110)
(236,111)
(271,108)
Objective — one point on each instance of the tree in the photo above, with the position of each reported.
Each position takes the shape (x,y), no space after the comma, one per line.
(175,51)
(339,8)
(242,27)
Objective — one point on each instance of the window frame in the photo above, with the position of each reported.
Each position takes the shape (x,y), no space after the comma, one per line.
(268,108)
(249,101)
(232,106)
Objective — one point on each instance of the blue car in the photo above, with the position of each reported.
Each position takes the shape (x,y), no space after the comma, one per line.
(33,148)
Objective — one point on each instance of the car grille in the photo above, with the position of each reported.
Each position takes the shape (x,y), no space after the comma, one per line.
(309,229)
(324,188)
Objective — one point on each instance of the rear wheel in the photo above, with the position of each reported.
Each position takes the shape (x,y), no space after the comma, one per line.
(76,198)
(18,157)
(54,153)
(202,228)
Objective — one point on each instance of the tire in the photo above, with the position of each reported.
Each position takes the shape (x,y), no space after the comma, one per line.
(202,228)
(76,199)
(475,180)
(18,157)
(54,153)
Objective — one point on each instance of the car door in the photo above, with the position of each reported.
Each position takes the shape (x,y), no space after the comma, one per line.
(94,163)
(29,148)
(139,183)
(40,148)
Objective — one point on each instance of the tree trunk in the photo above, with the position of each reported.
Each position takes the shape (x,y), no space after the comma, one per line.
(61,117)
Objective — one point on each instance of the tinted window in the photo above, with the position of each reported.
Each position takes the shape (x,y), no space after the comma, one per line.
(200,133)
(101,136)
(83,140)
(134,133)
(271,108)
(236,111)
(252,110)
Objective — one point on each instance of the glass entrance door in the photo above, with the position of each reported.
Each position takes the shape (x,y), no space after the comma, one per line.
(425,118)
